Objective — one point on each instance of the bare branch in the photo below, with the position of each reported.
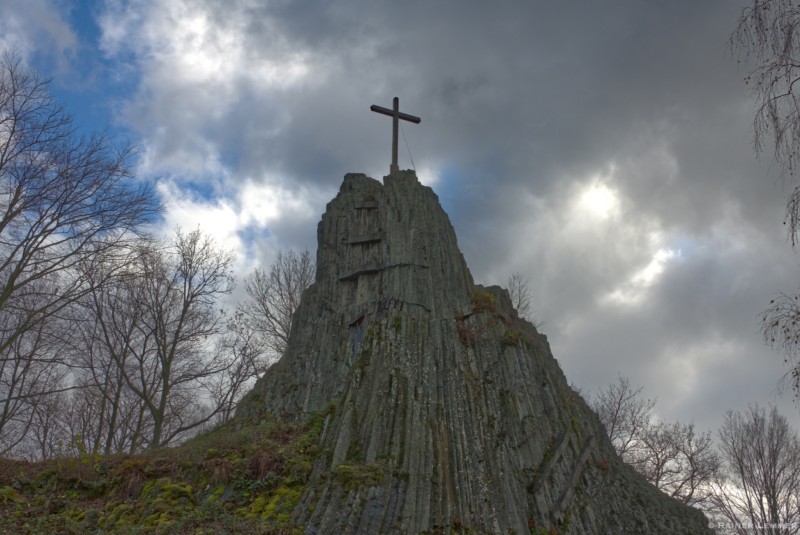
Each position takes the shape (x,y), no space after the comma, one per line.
(272,298)
(762,473)
(780,327)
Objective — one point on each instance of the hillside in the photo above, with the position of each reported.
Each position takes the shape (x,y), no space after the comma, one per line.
(225,481)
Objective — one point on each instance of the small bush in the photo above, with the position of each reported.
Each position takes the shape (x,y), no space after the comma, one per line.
(482,301)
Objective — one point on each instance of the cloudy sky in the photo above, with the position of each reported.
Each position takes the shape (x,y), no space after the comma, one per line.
(601,149)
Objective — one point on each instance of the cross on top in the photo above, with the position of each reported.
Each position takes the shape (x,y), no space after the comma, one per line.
(395,114)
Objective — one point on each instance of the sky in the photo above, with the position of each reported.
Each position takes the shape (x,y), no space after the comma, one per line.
(601,149)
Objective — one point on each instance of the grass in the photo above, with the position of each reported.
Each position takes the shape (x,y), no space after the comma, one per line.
(225,481)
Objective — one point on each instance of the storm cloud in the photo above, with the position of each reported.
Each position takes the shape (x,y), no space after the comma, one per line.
(603,150)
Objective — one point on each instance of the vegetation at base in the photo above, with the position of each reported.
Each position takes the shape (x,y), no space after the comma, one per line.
(228,480)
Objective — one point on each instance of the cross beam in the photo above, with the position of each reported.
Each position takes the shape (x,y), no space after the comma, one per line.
(396,115)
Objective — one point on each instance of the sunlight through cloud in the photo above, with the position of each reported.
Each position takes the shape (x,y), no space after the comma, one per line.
(600,200)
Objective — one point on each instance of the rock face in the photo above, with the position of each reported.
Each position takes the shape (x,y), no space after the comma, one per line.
(445,410)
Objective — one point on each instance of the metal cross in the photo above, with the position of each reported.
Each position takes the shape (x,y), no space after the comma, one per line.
(395,115)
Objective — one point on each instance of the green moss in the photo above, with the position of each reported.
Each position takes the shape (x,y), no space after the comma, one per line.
(120,515)
(9,495)
(216,494)
(163,490)
(75,514)
(274,507)
(357,476)
(397,324)
(282,504)
(256,507)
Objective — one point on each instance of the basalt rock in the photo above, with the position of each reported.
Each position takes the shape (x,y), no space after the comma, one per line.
(445,410)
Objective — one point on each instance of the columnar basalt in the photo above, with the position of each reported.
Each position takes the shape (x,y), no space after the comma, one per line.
(445,409)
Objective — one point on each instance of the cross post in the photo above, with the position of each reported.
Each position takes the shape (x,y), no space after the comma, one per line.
(396,115)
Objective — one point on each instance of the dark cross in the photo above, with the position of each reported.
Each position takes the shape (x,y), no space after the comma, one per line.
(395,115)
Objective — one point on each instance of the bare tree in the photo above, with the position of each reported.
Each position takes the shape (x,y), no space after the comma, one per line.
(144,345)
(49,436)
(520,294)
(677,460)
(180,314)
(521,300)
(624,414)
(272,298)
(64,199)
(761,489)
(780,326)
(241,349)
(30,372)
(106,324)
(766,37)
(671,456)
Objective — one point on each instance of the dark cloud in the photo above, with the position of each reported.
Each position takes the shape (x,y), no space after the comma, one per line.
(533,116)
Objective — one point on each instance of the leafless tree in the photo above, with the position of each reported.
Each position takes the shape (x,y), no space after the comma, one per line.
(671,456)
(625,415)
(241,350)
(49,434)
(64,199)
(767,38)
(677,460)
(143,347)
(761,489)
(181,284)
(272,298)
(766,35)
(780,326)
(106,324)
(520,294)
(31,371)
(521,300)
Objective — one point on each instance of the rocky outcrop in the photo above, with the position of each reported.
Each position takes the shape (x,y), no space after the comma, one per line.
(445,410)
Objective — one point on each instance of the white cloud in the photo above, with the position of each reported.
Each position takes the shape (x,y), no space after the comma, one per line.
(254,211)
(217,218)
(208,93)
(634,291)
(27,26)
(262,204)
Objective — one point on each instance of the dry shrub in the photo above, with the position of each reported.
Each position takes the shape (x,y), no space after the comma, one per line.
(466,334)
(283,433)
(11,470)
(219,470)
(130,476)
(482,302)
(265,462)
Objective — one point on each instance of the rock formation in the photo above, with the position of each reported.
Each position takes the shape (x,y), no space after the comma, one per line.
(445,410)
